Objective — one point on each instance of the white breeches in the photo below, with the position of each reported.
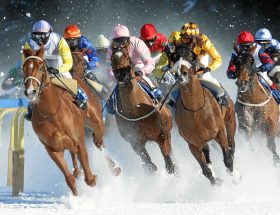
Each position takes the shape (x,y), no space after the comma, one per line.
(148,80)
(208,77)
(265,77)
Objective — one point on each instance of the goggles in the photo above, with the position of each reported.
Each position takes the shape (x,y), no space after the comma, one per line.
(73,42)
(121,42)
(246,46)
(151,42)
(40,37)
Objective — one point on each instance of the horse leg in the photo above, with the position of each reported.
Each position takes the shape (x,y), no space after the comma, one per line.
(272,147)
(206,152)
(164,143)
(58,158)
(98,141)
(199,156)
(227,153)
(139,148)
(76,171)
(90,179)
(230,124)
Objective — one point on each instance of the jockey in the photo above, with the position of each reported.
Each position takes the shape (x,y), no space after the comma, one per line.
(14,77)
(263,62)
(158,46)
(102,44)
(203,48)
(263,37)
(143,63)
(77,42)
(57,56)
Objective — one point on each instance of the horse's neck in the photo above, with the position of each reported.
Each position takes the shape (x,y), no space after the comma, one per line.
(48,103)
(132,97)
(192,94)
(255,94)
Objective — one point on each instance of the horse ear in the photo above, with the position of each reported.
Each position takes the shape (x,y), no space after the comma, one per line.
(235,47)
(27,52)
(40,52)
(252,49)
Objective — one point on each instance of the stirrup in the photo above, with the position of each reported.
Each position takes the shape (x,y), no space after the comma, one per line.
(157,94)
(223,100)
(81,103)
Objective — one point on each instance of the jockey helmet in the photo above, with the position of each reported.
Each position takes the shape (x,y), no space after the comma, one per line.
(120,31)
(263,37)
(263,34)
(72,31)
(148,34)
(245,37)
(245,40)
(72,35)
(41,31)
(102,42)
(189,30)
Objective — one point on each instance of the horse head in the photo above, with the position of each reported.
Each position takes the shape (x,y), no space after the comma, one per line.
(185,65)
(121,65)
(79,63)
(245,67)
(34,73)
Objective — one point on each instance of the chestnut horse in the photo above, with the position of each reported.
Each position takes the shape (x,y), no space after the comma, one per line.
(256,109)
(138,117)
(200,119)
(57,121)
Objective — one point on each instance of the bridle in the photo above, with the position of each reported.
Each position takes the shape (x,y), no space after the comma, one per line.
(41,82)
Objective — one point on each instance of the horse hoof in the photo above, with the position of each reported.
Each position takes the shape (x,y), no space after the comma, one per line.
(170,169)
(149,168)
(92,181)
(116,170)
(77,173)
(236,177)
(217,182)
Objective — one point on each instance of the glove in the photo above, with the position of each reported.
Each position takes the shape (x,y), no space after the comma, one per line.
(91,76)
(203,70)
(276,78)
(53,70)
(138,73)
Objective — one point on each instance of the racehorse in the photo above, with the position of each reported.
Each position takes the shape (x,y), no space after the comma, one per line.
(78,73)
(138,118)
(57,121)
(256,109)
(200,119)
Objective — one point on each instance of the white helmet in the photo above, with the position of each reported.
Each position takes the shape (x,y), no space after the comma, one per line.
(263,34)
(102,42)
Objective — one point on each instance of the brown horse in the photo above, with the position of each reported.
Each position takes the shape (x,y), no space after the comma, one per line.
(78,73)
(200,119)
(57,121)
(256,109)
(139,119)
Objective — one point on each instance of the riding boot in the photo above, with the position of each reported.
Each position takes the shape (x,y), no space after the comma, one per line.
(28,114)
(81,98)
(171,103)
(157,94)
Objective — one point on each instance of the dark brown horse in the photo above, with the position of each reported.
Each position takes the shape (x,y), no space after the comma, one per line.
(57,121)
(78,73)
(138,117)
(256,109)
(200,119)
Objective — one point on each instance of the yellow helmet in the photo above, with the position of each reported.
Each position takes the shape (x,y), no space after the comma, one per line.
(189,29)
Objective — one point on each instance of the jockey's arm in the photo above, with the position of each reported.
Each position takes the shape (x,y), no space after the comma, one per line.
(209,48)
(145,56)
(66,56)
(267,62)
(91,54)
(276,45)
(109,69)
(231,71)
(163,61)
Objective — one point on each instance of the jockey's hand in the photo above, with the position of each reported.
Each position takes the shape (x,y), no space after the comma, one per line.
(276,78)
(138,73)
(203,70)
(53,70)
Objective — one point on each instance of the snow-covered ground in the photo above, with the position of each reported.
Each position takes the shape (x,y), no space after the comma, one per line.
(133,192)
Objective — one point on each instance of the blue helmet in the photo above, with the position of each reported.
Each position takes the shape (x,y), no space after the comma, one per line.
(263,34)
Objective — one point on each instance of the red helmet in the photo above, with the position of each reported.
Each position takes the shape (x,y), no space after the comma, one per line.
(245,37)
(72,31)
(148,31)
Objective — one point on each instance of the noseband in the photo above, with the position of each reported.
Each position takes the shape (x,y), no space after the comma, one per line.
(40,83)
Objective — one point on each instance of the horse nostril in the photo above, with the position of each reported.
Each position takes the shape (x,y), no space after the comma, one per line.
(33,92)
